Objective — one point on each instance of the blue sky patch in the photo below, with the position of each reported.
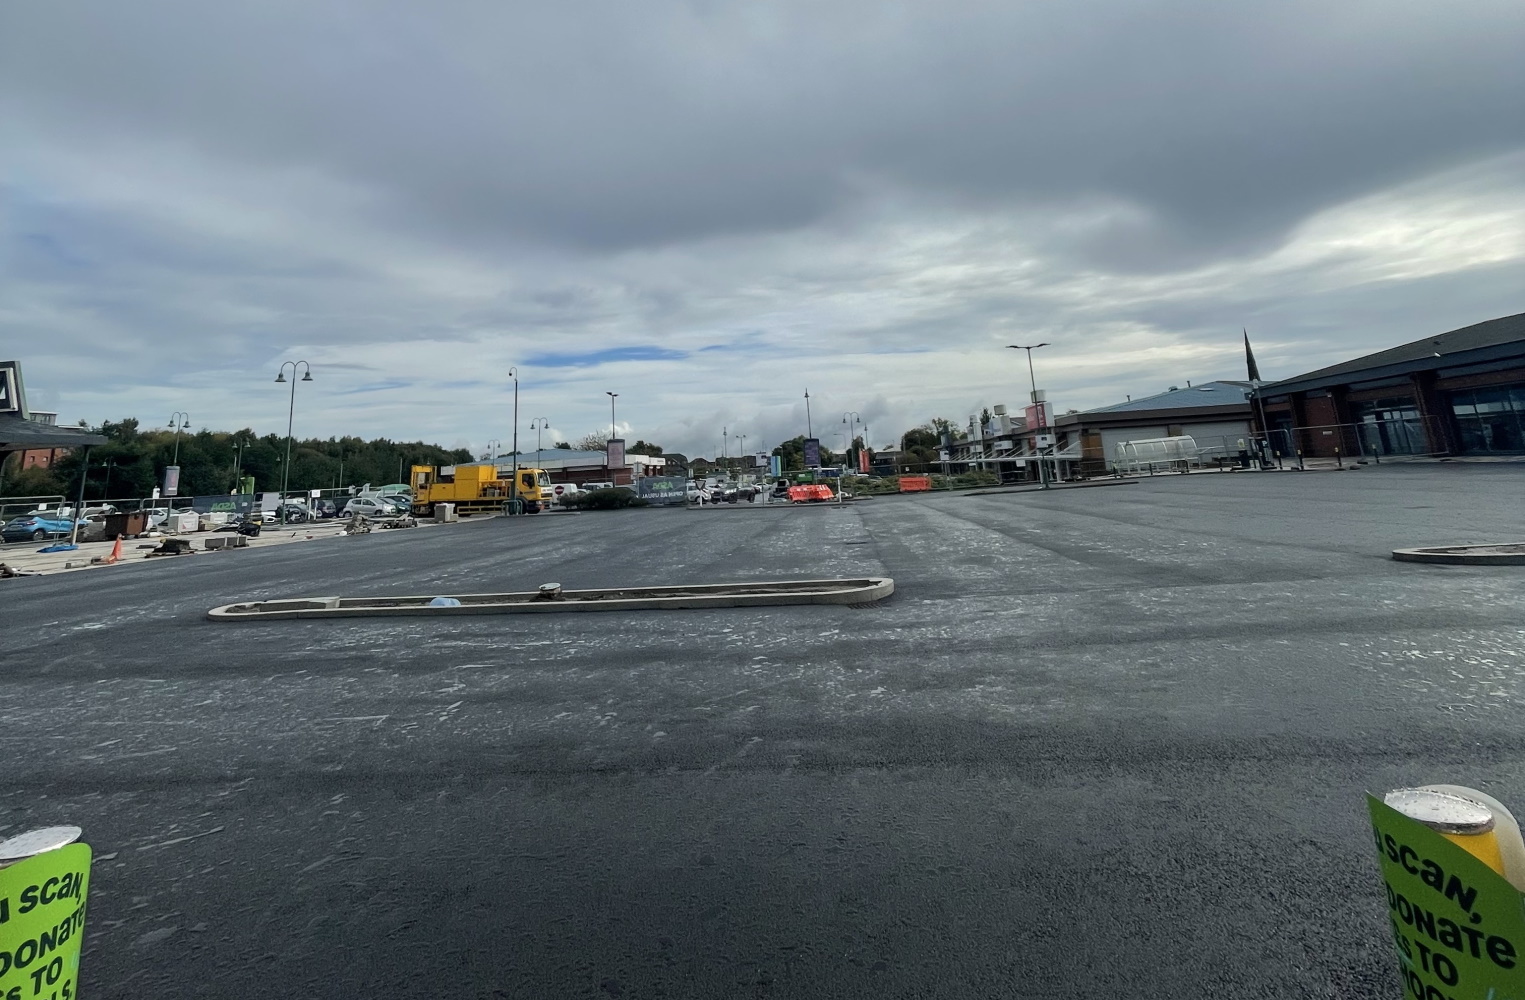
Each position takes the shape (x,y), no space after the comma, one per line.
(587,359)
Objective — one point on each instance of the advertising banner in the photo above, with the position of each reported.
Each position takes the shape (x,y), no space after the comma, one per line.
(661,490)
(236,503)
(775,465)
(12,392)
(171,480)
(863,460)
(812,453)
(616,453)
(42,923)
(1037,415)
(1458,926)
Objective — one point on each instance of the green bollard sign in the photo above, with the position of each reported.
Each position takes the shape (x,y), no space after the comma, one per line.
(1458,925)
(42,922)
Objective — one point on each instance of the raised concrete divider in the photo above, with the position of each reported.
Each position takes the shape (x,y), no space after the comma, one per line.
(552,598)
(1492,554)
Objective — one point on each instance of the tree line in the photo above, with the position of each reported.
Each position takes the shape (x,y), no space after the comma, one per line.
(133,460)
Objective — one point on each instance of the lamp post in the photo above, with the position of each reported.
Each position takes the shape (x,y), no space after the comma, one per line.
(238,460)
(492,453)
(808,432)
(513,488)
(741,450)
(612,397)
(1042,472)
(290,414)
(184,422)
(850,419)
(538,425)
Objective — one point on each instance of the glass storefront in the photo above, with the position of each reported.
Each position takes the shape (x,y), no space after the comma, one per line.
(1491,420)
(1390,426)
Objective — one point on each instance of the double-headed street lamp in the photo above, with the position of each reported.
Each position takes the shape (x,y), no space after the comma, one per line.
(538,424)
(290,414)
(184,421)
(850,420)
(492,454)
(1042,472)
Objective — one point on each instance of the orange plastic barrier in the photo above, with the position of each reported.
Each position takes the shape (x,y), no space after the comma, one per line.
(810,494)
(915,484)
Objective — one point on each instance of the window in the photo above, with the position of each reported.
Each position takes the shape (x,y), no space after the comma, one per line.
(1491,420)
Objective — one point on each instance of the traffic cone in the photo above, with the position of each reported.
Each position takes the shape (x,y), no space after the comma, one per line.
(116,551)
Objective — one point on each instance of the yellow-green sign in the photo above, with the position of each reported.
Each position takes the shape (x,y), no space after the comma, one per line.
(42,923)
(1459,926)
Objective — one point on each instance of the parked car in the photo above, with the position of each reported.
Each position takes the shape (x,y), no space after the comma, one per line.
(291,513)
(371,507)
(590,487)
(402,501)
(324,508)
(36,527)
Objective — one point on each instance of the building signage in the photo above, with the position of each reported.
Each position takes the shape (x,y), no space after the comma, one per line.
(662,489)
(812,453)
(1037,416)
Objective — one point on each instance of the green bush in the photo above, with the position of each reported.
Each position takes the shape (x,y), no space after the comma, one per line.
(611,499)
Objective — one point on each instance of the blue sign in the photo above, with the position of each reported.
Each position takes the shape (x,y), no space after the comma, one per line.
(775,465)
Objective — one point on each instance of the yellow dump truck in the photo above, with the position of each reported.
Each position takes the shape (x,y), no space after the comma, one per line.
(477,488)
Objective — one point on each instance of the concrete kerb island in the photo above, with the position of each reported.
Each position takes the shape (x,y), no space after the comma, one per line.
(1493,554)
(551,599)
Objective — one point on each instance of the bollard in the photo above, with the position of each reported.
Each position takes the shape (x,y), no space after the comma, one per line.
(1300,460)
(1454,867)
(44,880)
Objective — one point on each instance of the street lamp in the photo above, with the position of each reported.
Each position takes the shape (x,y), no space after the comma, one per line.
(538,424)
(184,422)
(492,453)
(741,452)
(851,419)
(290,414)
(612,397)
(1042,472)
(513,487)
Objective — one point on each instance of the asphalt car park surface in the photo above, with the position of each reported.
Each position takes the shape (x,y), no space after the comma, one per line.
(1105,742)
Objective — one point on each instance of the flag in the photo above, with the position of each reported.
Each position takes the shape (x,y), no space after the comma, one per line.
(1249,359)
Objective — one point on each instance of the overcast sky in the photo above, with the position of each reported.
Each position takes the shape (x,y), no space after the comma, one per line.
(710,207)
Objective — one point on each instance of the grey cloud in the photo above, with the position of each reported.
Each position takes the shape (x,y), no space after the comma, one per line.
(611,126)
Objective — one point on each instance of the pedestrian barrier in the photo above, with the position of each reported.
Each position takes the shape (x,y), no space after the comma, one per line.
(915,484)
(1454,867)
(44,880)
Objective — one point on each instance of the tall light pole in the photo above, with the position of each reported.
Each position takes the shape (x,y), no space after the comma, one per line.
(808,432)
(290,414)
(725,453)
(850,419)
(538,424)
(513,487)
(492,453)
(1042,472)
(741,451)
(184,422)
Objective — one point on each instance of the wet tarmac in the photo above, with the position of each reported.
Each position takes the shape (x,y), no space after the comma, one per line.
(1100,742)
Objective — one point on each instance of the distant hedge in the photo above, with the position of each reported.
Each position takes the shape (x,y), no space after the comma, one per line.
(611,499)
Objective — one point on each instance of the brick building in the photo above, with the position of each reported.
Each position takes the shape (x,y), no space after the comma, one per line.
(1456,393)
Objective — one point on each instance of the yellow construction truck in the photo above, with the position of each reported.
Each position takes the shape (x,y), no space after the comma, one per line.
(478,488)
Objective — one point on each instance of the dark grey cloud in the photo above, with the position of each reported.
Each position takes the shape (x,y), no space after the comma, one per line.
(610,126)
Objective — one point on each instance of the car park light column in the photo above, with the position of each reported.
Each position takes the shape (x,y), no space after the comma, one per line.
(1042,473)
(290,415)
